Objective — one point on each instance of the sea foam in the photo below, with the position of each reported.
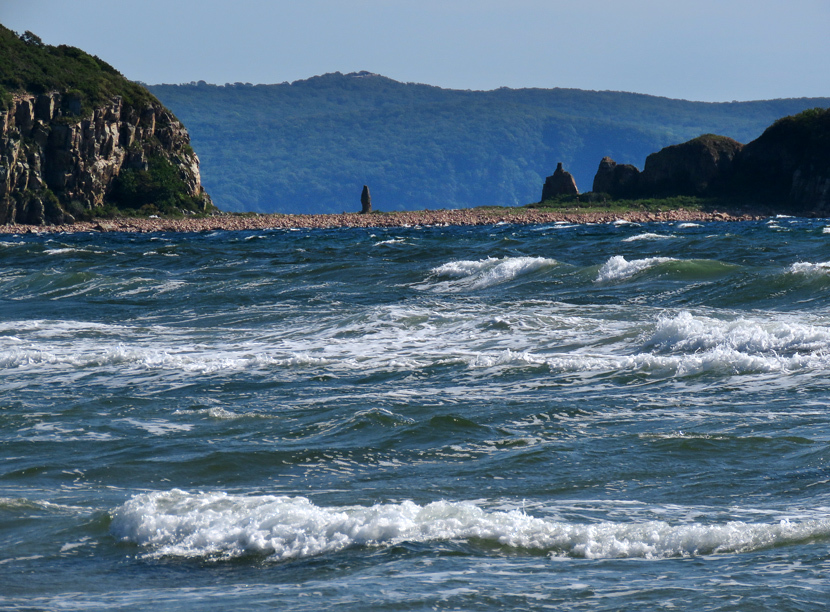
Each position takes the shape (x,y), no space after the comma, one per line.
(222,526)
(618,267)
(489,272)
(648,236)
(810,269)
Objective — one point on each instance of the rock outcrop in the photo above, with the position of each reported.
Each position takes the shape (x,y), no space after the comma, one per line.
(697,167)
(788,165)
(617,180)
(365,201)
(55,164)
(559,183)
(786,169)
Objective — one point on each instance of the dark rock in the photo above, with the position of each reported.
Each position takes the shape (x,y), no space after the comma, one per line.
(45,107)
(365,201)
(617,180)
(697,167)
(788,166)
(559,183)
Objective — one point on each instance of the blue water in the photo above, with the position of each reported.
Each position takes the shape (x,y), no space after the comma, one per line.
(597,417)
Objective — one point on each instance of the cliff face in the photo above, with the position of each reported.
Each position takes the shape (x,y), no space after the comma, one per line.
(787,168)
(789,164)
(56,165)
(696,167)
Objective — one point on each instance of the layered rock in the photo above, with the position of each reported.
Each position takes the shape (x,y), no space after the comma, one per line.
(559,183)
(55,163)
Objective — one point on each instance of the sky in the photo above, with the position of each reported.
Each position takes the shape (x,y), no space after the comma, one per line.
(707,50)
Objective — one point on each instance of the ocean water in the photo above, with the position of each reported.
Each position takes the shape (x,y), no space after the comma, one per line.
(559,417)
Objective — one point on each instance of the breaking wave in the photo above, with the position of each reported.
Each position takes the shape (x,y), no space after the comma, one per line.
(488,272)
(222,526)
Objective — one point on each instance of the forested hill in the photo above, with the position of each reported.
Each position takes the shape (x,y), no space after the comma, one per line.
(310,146)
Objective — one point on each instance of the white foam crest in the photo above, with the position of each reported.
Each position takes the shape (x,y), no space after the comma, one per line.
(391,241)
(221,526)
(688,334)
(506,357)
(624,222)
(810,269)
(688,225)
(648,236)
(719,360)
(22,504)
(491,271)
(183,359)
(618,267)
(65,250)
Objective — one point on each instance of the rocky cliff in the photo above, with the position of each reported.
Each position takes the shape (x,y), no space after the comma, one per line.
(55,166)
(93,143)
(696,167)
(787,168)
(788,164)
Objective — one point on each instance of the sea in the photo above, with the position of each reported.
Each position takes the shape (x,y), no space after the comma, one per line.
(567,417)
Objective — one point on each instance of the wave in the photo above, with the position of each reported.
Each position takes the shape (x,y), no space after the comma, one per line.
(488,272)
(810,269)
(648,236)
(691,335)
(618,267)
(391,241)
(222,526)
(181,359)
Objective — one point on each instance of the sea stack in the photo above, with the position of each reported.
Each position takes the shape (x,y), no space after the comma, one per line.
(365,201)
(559,183)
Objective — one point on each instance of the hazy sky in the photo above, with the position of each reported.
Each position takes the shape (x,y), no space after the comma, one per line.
(715,50)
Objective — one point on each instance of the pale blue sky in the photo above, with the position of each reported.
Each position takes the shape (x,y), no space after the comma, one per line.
(713,50)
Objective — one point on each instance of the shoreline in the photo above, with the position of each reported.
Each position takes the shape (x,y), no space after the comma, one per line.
(457,217)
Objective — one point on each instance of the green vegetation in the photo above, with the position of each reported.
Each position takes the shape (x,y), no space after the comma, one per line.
(599,202)
(30,65)
(310,146)
(156,190)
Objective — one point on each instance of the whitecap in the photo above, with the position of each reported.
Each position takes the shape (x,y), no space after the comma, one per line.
(221,526)
(489,272)
(688,334)
(688,225)
(648,236)
(618,267)
(810,269)
(391,241)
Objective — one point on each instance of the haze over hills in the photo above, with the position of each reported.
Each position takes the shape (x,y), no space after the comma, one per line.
(309,146)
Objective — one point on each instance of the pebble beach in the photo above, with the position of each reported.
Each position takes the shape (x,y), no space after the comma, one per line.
(459,217)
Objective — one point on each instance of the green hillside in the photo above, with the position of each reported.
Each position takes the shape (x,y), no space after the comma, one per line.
(31,66)
(309,146)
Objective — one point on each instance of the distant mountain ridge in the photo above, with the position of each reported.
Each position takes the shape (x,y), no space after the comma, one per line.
(310,146)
